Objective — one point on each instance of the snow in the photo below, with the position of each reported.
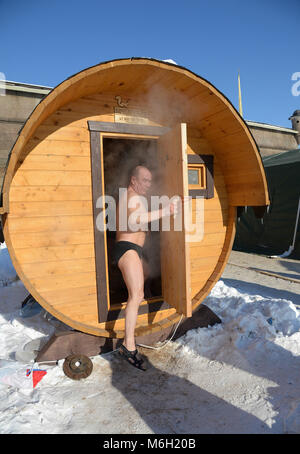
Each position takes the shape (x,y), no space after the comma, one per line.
(169,60)
(240,376)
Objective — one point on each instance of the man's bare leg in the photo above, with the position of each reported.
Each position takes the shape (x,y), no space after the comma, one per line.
(132,270)
(147,281)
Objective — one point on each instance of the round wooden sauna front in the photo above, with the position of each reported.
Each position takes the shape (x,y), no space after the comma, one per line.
(76,146)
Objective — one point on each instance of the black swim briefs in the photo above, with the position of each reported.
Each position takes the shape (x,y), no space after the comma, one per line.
(120,247)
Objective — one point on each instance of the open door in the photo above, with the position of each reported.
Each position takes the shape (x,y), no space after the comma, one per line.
(174,247)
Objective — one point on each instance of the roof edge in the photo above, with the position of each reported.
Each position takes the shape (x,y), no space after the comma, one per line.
(257,124)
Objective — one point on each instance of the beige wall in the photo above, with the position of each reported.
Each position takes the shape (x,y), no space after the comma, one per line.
(272,141)
(15,107)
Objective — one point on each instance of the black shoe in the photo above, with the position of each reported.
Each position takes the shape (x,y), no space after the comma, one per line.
(132,357)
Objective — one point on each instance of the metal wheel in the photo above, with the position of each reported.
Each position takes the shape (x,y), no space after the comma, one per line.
(77,367)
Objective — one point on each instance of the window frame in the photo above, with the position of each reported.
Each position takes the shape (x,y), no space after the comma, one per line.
(208,162)
(201,176)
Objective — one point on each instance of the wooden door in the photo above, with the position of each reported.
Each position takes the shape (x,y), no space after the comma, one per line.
(175,264)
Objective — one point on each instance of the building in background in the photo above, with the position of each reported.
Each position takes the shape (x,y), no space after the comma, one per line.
(274,139)
(18,100)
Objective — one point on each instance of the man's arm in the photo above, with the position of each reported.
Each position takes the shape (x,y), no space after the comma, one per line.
(143,218)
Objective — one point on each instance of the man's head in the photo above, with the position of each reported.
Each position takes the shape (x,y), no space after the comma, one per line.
(140,179)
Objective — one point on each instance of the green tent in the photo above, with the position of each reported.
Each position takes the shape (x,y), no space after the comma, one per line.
(274,233)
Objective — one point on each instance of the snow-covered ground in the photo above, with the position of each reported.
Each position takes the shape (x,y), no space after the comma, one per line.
(241,376)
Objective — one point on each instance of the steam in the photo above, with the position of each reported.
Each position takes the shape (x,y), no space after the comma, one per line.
(120,157)
(165,106)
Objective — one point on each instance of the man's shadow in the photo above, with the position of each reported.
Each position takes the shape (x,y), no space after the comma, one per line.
(170,404)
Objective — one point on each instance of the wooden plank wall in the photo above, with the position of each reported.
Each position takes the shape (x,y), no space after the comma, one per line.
(205,255)
(166,88)
(50,222)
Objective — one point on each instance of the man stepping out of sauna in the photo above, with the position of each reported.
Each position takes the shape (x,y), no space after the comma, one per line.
(128,251)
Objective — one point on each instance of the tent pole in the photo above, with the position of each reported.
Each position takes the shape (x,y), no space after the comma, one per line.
(291,248)
(296,226)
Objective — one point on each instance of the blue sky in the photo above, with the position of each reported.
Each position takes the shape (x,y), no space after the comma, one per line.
(44,42)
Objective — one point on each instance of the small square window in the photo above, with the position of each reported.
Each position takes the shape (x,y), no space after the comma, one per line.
(193,176)
(196,176)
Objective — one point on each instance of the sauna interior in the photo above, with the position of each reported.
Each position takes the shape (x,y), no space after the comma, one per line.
(120,156)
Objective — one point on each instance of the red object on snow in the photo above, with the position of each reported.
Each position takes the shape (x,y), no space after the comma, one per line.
(37,375)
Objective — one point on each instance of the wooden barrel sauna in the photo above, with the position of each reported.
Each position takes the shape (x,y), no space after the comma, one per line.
(76,146)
